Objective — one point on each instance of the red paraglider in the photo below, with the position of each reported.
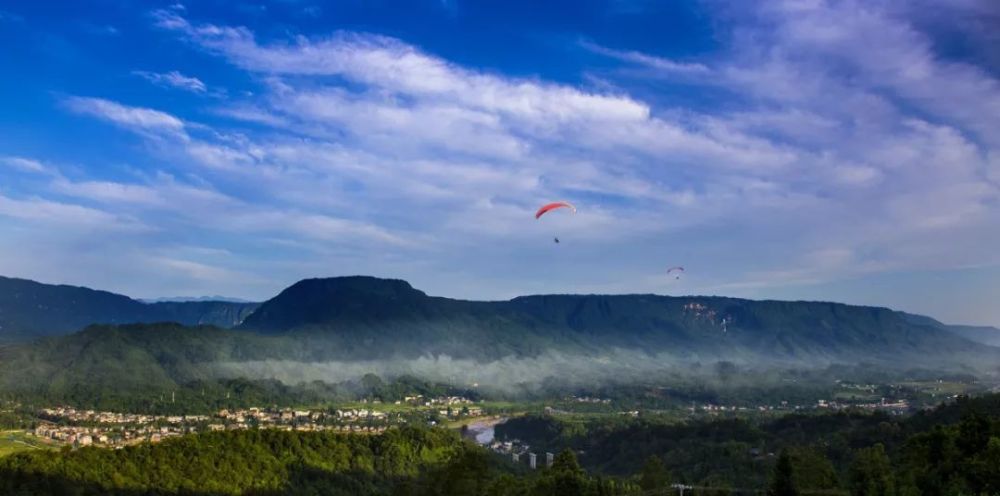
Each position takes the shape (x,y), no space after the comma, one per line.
(553,206)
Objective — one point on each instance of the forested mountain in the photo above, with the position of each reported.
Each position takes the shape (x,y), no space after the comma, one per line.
(224,314)
(335,330)
(980,334)
(351,318)
(30,309)
(362,311)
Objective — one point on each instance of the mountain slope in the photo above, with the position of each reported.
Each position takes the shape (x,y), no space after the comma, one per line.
(340,329)
(356,318)
(126,357)
(980,334)
(371,317)
(30,309)
(224,314)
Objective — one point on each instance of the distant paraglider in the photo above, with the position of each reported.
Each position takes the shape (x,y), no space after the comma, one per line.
(553,206)
(548,207)
(678,270)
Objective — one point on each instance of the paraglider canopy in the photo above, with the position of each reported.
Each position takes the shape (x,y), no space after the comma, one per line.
(676,268)
(553,206)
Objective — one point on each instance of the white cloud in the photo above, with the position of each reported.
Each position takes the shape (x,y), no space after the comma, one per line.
(170,201)
(395,66)
(845,146)
(658,63)
(64,214)
(24,164)
(886,52)
(856,174)
(138,119)
(197,270)
(174,79)
(164,193)
(252,114)
(993,167)
(814,133)
(413,93)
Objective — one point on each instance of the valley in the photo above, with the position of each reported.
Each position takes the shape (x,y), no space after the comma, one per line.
(611,393)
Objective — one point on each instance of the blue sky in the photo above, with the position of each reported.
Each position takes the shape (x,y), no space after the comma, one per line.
(809,149)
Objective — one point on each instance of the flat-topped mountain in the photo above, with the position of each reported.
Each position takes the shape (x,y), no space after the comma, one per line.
(342,328)
(364,318)
(371,317)
(323,302)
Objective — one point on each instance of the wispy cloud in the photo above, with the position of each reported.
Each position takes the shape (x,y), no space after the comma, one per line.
(24,164)
(826,140)
(174,79)
(795,141)
(101,29)
(65,214)
(658,63)
(143,120)
(489,113)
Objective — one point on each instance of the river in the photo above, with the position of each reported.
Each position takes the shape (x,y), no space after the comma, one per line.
(482,431)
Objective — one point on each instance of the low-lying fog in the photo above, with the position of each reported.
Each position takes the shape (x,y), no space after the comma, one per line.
(617,365)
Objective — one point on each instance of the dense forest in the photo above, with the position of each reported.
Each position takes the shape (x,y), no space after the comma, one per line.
(952,450)
(407,461)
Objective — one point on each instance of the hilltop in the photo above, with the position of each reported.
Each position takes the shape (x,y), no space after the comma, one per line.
(30,309)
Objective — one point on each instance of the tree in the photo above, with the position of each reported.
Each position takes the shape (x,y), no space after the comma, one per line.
(871,473)
(566,462)
(654,474)
(568,478)
(783,478)
(467,473)
(973,434)
(986,467)
(813,470)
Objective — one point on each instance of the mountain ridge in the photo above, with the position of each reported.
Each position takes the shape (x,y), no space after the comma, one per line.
(339,329)
(364,317)
(193,299)
(393,310)
(31,309)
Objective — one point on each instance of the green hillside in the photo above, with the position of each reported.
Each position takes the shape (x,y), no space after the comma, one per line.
(372,317)
(980,334)
(354,318)
(322,332)
(954,449)
(232,463)
(30,309)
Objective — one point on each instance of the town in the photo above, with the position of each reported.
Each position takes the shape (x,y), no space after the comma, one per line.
(79,428)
